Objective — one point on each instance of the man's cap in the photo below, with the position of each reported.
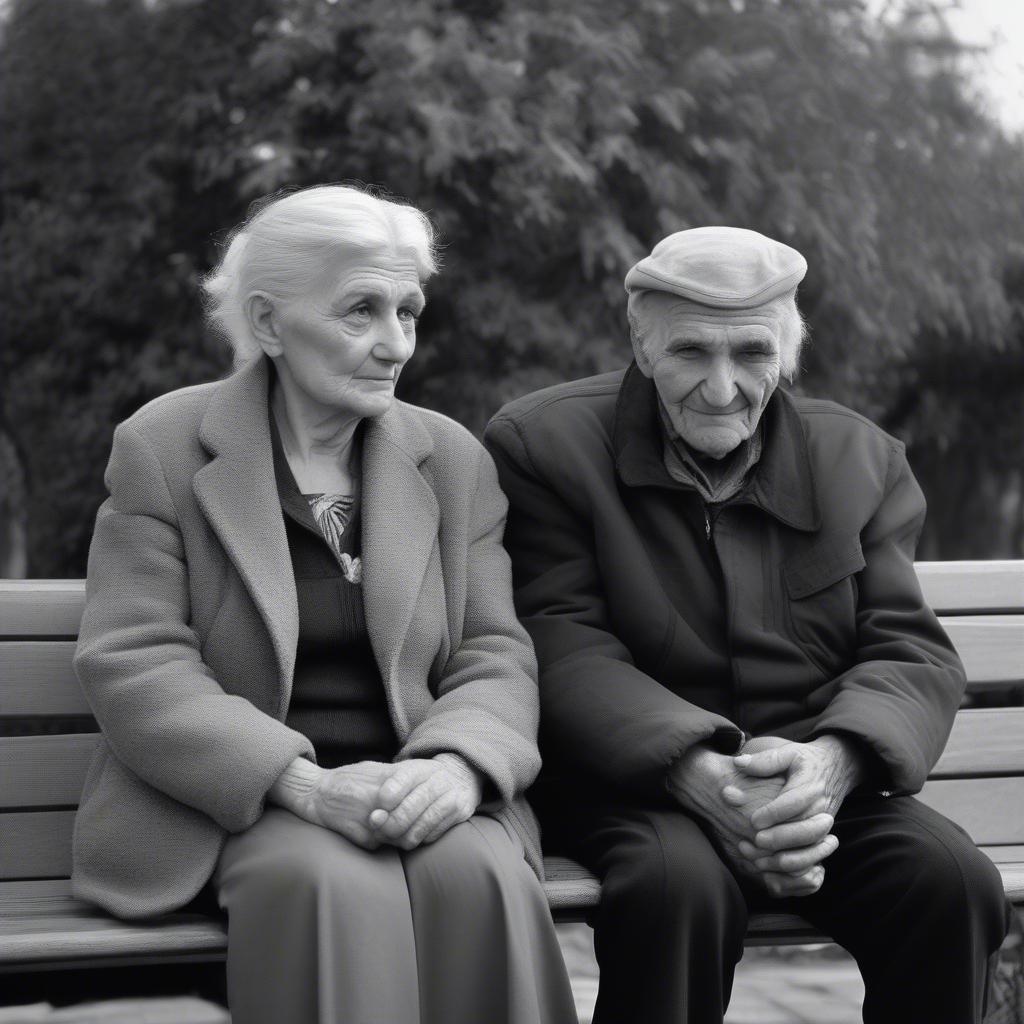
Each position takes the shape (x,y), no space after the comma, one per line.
(720,267)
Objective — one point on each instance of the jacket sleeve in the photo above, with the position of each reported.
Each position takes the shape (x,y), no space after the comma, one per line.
(486,707)
(139,662)
(600,714)
(901,696)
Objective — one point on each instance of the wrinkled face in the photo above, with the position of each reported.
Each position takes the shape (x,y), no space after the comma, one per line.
(714,369)
(345,341)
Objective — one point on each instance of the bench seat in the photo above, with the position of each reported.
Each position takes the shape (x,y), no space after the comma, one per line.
(978,782)
(43,926)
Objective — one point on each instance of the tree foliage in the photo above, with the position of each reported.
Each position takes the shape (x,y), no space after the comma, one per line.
(552,145)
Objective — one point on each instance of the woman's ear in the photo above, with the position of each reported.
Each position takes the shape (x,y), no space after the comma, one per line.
(261,317)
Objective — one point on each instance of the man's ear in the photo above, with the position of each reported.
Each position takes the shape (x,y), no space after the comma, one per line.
(261,317)
(636,338)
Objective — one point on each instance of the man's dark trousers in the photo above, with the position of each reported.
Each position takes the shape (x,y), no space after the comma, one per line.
(907,893)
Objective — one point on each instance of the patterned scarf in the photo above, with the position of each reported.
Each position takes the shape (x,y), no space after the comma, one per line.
(333,513)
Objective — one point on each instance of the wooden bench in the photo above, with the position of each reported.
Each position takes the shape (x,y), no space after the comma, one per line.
(979,781)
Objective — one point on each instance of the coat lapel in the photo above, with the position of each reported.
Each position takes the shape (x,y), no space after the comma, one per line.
(237,492)
(400,523)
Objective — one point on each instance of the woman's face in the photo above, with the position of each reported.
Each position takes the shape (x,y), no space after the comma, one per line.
(344,342)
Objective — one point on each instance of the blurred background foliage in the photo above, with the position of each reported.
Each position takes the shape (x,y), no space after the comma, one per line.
(552,144)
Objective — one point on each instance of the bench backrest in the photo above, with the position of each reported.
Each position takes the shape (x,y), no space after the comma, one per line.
(979,781)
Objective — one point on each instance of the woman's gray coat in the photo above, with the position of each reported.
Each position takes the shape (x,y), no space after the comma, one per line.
(187,645)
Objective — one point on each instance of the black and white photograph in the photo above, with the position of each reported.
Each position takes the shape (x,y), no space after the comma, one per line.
(512,512)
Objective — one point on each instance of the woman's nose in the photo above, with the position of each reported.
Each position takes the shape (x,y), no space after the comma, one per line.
(395,344)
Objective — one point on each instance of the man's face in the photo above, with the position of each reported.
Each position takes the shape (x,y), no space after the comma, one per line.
(714,369)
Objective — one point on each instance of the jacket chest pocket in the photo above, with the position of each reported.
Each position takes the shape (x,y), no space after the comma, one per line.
(821,587)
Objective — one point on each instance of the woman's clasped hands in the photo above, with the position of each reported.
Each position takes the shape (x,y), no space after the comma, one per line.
(371,803)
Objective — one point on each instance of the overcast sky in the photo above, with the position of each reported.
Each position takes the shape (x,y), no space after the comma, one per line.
(1001,72)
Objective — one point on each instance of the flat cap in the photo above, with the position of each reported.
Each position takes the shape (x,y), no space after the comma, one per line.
(725,268)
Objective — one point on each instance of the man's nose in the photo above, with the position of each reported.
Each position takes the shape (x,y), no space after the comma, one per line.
(719,387)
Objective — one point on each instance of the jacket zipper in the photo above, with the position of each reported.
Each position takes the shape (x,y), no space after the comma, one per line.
(737,709)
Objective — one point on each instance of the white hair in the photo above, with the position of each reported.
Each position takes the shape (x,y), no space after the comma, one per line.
(793,334)
(287,240)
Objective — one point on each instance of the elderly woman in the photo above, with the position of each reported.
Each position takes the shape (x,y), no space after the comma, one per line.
(300,644)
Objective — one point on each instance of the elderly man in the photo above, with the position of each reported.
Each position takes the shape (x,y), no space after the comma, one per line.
(740,681)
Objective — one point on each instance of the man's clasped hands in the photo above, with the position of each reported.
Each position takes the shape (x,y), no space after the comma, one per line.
(771,808)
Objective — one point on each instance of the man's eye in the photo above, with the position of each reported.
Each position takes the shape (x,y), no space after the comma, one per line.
(362,310)
(407,315)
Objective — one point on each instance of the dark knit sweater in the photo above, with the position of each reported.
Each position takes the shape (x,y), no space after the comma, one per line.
(337,696)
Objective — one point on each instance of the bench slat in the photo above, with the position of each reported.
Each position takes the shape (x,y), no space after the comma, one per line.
(44,771)
(42,923)
(1005,854)
(571,890)
(953,588)
(984,742)
(54,607)
(36,678)
(990,810)
(990,646)
(93,934)
(1013,881)
(1009,860)
(36,844)
(48,771)
(47,896)
(41,607)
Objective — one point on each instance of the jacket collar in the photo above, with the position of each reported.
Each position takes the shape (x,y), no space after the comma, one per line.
(782,482)
(237,492)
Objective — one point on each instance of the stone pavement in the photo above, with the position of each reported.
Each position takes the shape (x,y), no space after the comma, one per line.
(817,984)
(792,985)
(821,989)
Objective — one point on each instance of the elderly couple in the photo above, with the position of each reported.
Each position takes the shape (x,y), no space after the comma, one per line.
(316,668)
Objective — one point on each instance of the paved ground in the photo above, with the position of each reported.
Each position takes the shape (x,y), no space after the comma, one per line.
(820,990)
(798,985)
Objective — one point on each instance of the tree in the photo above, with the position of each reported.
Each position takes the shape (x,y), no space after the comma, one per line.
(553,145)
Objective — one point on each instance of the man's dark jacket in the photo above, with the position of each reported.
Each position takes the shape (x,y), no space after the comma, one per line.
(792,609)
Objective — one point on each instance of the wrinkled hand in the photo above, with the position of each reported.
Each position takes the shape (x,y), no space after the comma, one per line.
(698,781)
(346,797)
(818,776)
(423,798)
(340,799)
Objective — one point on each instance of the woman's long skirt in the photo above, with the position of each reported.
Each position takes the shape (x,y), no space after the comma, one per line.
(323,932)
